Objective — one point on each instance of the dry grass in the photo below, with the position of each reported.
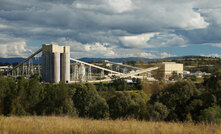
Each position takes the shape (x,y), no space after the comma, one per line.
(55,124)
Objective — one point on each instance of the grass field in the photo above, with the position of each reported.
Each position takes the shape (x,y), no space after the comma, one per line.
(56,124)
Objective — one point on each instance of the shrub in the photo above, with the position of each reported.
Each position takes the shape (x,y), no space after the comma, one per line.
(158,112)
(176,98)
(89,103)
(68,108)
(55,100)
(127,104)
(211,114)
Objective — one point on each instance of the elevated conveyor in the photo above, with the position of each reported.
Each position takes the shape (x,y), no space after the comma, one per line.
(138,72)
(20,64)
(92,65)
(128,66)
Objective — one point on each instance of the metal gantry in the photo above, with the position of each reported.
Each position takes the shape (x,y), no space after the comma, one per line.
(72,74)
(83,76)
(39,67)
(125,70)
(89,73)
(76,72)
(102,73)
(117,68)
(80,72)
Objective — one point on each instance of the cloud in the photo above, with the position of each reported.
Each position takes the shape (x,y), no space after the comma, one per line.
(215,44)
(153,40)
(13,47)
(167,40)
(130,27)
(139,16)
(137,41)
(165,55)
(147,55)
(122,5)
(79,50)
(210,11)
(96,49)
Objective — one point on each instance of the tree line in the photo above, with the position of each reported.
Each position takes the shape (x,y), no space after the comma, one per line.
(180,101)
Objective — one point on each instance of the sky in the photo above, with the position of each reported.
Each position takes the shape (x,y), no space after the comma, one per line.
(112,28)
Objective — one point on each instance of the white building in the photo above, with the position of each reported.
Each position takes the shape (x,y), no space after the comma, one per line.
(5,68)
(170,67)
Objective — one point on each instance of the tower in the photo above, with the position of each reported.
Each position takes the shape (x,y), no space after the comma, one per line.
(55,63)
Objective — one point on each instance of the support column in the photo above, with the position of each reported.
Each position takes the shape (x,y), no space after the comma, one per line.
(89,73)
(65,65)
(56,67)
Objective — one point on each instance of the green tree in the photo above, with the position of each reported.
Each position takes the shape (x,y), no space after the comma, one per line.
(174,76)
(176,98)
(211,114)
(16,107)
(198,102)
(159,73)
(4,89)
(9,95)
(158,111)
(213,85)
(34,92)
(89,103)
(68,107)
(138,83)
(17,97)
(56,100)
(125,104)
(120,84)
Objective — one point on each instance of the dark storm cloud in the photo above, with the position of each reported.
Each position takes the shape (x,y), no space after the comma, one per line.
(212,34)
(89,16)
(109,21)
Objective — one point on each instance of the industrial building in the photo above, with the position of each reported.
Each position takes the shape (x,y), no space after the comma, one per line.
(170,67)
(5,68)
(55,63)
(55,67)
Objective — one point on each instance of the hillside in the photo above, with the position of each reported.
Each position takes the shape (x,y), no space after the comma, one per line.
(11,60)
(187,60)
(197,60)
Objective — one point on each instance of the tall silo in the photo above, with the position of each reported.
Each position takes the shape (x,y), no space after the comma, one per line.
(43,66)
(56,78)
(65,64)
(55,63)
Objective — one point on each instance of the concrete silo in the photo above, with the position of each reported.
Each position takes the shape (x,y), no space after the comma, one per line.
(56,70)
(55,63)
(65,64)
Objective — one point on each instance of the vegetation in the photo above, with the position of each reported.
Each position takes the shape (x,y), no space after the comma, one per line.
(198,63)
(159,101)
(211,114)
(197,60)
(128,104)
(89,103)
(57,124)
(191,63)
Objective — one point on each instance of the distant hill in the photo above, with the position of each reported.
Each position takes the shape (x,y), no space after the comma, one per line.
(19,59)
(14,60)
(11,60)
(116,59)
(126,59)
